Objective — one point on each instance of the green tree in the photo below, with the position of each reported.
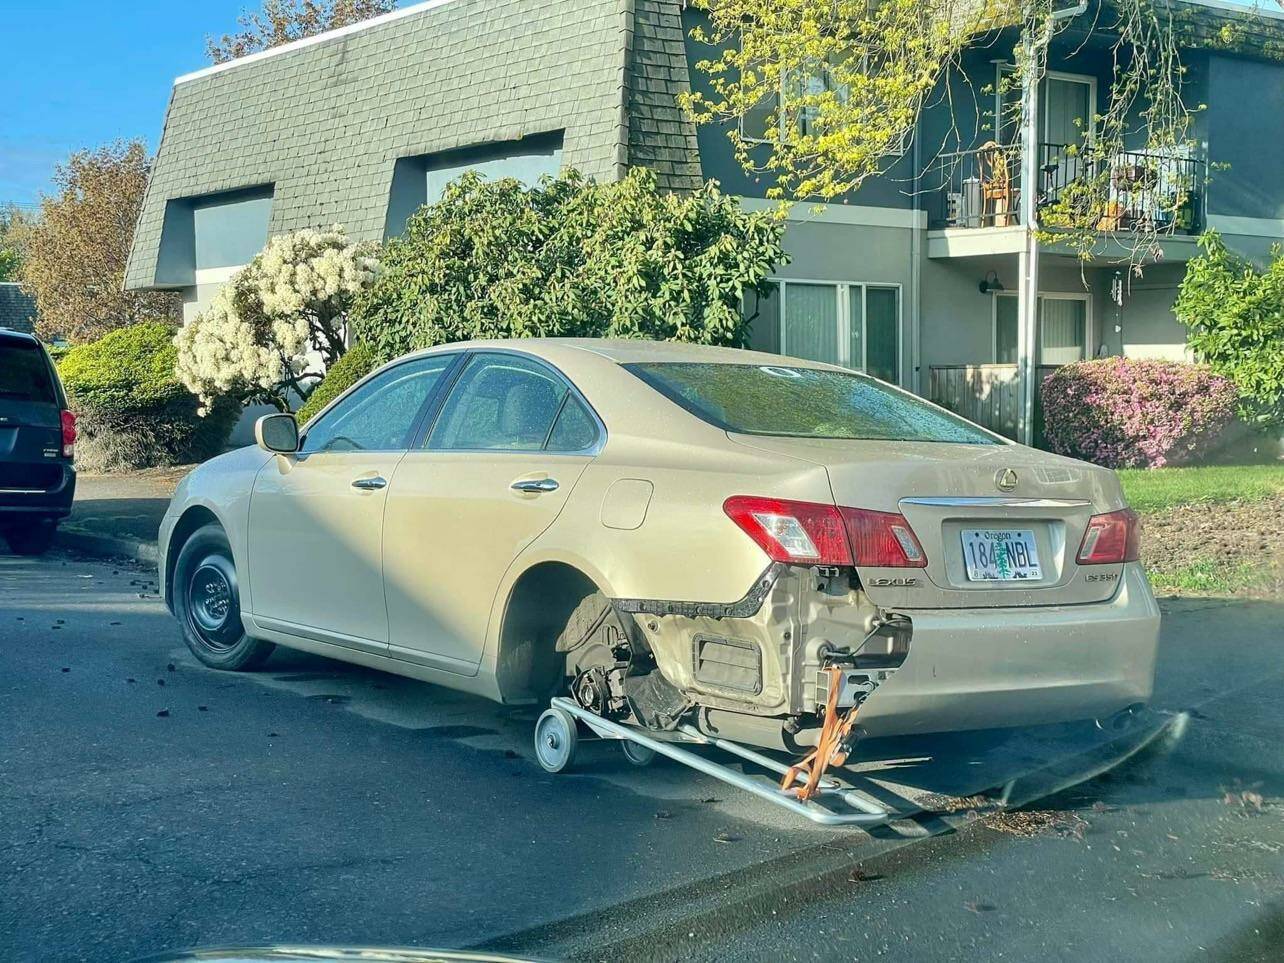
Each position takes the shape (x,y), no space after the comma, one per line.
(497,259)
(1235,314)
(283,21)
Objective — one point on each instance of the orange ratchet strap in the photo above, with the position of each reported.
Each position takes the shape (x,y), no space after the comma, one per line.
(831,749)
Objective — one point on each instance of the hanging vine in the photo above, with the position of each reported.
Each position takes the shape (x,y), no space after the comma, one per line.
(820,95)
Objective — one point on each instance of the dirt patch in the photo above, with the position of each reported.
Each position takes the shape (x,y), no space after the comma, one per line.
(1239,545)
(1038,822)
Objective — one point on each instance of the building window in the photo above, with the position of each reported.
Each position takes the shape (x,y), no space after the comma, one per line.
(422,179)
(1063,328)
(212,232)
(855,325)
(782,106)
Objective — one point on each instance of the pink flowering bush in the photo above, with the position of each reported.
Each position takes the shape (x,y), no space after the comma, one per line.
(1123,413)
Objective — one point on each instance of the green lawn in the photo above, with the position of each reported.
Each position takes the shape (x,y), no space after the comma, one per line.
(1209,577)
(1154,489)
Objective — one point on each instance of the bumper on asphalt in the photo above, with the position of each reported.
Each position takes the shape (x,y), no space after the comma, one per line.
(1019,667)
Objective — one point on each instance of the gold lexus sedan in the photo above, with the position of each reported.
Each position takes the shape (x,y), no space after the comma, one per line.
(671,535)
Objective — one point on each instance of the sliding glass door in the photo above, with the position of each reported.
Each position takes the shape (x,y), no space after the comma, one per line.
(851,324)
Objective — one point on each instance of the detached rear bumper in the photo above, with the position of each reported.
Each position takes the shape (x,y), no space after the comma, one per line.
(991,668)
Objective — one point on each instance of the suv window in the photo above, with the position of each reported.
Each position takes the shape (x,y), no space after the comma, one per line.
(502,402)
(379,415)
(799,402)
(24,373)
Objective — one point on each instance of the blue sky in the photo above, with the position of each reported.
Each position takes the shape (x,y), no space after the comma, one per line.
(79,73)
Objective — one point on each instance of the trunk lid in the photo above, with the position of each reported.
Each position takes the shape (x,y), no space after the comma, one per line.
(947,490)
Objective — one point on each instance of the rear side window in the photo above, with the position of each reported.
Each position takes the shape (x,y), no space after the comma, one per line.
(501,403)
(24,373)
(805,403)
(575,429)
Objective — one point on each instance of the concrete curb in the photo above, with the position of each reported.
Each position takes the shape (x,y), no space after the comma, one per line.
(108,546)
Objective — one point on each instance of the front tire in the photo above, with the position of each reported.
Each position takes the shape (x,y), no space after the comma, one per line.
(32,538)
(207,602)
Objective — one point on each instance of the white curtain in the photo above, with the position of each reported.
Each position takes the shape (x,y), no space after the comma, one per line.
(1061,330)
(811,321)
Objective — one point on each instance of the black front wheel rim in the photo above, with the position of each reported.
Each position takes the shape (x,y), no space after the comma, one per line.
(212,608)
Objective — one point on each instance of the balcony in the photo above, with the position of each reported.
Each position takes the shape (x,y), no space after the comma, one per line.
(1147,192)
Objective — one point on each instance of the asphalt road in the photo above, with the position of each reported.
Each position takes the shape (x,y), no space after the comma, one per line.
(147,803)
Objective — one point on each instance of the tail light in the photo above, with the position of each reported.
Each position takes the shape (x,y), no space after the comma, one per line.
(807,533)
(811,533)
(1111,539)
(68,434)
(882,539)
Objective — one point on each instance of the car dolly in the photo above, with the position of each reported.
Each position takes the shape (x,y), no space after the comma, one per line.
(805,789)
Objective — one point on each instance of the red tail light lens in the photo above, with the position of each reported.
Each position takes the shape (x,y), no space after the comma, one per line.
(68,434)
(810,533)
(805,533)
(882,539)
(1111,539)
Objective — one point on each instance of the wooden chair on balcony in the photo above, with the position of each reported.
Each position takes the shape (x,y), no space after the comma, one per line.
(998,196)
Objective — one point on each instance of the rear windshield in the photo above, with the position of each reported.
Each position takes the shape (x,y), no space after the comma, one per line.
(805,403)
(24,373)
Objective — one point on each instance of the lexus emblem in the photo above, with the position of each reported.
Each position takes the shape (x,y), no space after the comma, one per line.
(1006,480)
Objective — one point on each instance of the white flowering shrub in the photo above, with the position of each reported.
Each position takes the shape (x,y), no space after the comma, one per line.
(255,338)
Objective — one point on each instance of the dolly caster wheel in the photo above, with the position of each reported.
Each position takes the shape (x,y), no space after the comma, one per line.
(555,740)
(638,755)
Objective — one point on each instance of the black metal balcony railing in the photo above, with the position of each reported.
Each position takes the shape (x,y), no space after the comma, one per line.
(1142,191)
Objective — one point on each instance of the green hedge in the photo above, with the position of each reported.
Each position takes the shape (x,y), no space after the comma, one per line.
(359,361)
(569,258)
(131,410)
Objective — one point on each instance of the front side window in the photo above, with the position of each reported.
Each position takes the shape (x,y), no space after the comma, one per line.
(379,415)
(501,402)
(803,402)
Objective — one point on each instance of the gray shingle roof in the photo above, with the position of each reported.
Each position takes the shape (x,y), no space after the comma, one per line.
(17,308)
(661,136)
(325,122)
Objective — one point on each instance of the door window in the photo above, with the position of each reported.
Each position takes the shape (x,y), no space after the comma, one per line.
(501,402)
(1062,324)
(1063,334)
(882,332)
(379,415)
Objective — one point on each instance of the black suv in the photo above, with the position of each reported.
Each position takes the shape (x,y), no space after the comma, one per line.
(37,443)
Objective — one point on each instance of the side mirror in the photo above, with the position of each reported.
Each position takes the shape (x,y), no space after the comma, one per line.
(277,433)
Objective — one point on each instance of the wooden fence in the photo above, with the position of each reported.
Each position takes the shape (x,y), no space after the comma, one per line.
(988,394)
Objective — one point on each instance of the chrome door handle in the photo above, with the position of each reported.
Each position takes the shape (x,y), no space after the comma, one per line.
(370,484)
(535,485)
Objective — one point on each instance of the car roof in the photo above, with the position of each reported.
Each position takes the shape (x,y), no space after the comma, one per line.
(8,334)
(628,351)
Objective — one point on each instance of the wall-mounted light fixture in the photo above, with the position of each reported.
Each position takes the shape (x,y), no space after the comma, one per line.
(991,283)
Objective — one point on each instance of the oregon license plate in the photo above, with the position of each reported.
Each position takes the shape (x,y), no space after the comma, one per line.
(1000,555)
